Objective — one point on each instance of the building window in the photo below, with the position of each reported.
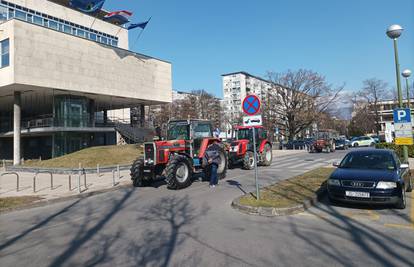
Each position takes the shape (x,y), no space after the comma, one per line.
(37,20)
(10,11)
(3,14)
(4,52)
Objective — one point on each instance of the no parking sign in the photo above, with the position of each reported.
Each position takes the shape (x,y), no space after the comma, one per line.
(251,105)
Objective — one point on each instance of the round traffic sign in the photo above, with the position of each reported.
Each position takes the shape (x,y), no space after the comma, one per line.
(251,105)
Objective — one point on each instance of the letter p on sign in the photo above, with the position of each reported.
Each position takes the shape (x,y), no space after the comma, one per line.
(401,114)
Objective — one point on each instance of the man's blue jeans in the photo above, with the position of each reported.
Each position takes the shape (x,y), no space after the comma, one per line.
(213,178)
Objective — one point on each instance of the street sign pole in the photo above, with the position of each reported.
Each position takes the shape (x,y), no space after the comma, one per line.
(255,165)
(251,106)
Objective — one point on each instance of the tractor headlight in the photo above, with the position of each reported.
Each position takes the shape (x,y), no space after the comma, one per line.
(334,182)
(386,185)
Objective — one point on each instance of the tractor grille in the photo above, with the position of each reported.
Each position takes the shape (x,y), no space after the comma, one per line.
(149,151)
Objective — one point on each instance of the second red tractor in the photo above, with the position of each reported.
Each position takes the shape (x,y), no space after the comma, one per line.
(241,147)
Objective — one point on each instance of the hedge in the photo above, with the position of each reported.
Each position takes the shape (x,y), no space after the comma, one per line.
(397,149)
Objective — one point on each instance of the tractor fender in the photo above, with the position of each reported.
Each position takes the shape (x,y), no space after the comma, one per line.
(205,143)
(262,145)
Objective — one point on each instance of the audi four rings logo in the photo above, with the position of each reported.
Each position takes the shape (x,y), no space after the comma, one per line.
(357,184)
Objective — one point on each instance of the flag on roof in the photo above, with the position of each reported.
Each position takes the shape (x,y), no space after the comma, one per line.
(118,17)
(87,6)
(141,25)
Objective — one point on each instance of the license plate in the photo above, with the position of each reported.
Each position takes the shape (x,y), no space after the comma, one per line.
(357,194)
(147,170)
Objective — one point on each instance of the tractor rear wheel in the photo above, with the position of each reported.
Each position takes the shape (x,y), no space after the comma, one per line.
(248,161)
(137,174)
(267,156)
(179,172)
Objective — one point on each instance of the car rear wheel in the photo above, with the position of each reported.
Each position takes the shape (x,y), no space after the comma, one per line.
(402,202)
(356,145)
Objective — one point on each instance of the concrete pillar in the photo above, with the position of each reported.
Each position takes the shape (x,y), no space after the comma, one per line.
(105,116)
(142,115)
(17,116)
(92,113)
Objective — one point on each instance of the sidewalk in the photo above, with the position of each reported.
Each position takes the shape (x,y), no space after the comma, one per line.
(60,184)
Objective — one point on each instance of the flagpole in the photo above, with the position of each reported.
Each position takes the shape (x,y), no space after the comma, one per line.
(96,16)
(120,28)
(139,35)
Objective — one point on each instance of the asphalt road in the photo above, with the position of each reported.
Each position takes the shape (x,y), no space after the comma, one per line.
(197,227)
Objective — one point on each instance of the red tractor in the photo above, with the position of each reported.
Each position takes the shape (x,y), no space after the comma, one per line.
(179,157)
(241,149)
(325,141)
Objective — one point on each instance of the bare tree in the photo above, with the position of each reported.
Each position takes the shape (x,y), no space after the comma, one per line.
(373,91)
(297,99)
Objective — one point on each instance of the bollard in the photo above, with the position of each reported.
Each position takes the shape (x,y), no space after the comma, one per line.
(51,181)
(4,164)
(17,178)
(34,184)
(113,177)
(70,182)
(79,175)
(119,173)
(97,170)
(84,178)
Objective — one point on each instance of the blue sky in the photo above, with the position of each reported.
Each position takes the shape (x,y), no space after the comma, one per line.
(343,40)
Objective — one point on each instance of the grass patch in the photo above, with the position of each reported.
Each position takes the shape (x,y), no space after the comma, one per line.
(90,157)
(14,202)
(290,192)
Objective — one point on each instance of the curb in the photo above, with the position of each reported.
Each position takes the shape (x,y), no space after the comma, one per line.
(46,202)
(272,212)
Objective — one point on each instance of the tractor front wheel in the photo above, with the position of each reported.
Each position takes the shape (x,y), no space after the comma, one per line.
(137,174)
(267,156)
(179,172)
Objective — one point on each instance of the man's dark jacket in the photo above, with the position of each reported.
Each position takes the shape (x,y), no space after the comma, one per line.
(213,153)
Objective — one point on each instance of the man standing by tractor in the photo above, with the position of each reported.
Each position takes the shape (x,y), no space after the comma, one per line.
(212,160)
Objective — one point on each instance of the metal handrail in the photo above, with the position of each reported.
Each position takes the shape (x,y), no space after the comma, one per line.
(39,172)
(17,178)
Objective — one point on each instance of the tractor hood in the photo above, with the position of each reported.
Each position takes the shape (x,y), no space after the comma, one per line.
(238,142)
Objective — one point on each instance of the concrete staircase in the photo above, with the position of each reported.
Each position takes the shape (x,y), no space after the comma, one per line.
(133,135)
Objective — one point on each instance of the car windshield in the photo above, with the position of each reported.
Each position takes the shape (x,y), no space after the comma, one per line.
(368,160)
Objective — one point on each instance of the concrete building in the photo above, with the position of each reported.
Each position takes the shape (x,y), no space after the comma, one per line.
(386,108)
(236,86)
(63,74)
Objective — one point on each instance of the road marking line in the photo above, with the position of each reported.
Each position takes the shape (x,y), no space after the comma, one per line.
(401,226)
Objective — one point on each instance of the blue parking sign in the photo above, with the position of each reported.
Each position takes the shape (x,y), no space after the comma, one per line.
(402,115)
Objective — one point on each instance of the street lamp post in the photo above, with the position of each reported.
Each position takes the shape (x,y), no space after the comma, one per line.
(393,32)
(406,74)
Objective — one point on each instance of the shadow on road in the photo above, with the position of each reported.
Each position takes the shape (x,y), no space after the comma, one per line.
(164,222)
(380,246)
(85,233)
(39,225)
